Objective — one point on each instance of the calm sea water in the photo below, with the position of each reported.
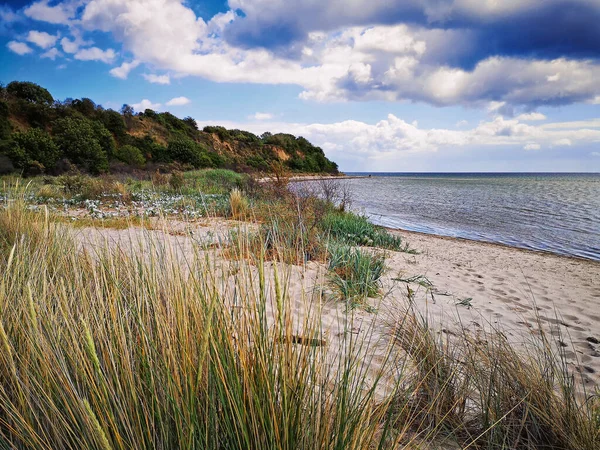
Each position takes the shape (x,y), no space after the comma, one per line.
(559,213)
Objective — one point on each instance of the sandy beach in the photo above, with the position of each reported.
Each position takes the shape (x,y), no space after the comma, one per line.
(455,283)
(510,288)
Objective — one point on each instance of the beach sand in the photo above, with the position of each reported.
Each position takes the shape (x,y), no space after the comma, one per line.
(468,284)
(512,289)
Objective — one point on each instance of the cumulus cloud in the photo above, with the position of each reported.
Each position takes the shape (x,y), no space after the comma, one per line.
(145,104)
(20,48)
(453,52)
(532,146)
(157,79)
(7,18)
(261,116)
(95,54)
(562,143)
(41,39)
(531,117)
(60,13)
(497,26)
(179,101)
(52,54)
(123,70)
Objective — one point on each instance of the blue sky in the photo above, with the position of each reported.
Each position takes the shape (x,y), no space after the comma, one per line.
(412,85)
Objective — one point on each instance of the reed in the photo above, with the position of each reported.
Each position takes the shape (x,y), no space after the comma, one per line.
(137,347)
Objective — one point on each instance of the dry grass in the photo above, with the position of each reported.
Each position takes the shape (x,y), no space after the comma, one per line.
(239,204)
(122,349)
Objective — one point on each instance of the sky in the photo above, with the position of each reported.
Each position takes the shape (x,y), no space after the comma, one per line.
(380,85)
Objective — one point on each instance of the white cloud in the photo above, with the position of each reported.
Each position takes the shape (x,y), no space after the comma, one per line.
(462,123)
(20,48)
(58,14)
(595,153)
(157,79)
(52,54)
(562,143)
(76,42)
(123,70)
(7,15)
(531,117)
(357,142)
(96,54)
(179,101)
(145,104)
(334,61)
(261,116)
(41,39)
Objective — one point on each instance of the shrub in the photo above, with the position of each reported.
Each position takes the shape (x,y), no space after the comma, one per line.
(186,151)
(130,155)
(33,146)
(176,181)
(216,181)
(160,179)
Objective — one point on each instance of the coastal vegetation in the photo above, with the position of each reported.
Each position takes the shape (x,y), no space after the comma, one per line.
(42,135)
(111,347)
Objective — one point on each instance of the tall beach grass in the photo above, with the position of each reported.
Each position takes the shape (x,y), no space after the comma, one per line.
(135,347)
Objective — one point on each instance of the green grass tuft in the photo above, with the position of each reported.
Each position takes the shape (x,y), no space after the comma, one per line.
(355,274)
(353,229)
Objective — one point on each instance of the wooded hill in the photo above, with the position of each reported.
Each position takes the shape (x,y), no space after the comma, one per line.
(39,134)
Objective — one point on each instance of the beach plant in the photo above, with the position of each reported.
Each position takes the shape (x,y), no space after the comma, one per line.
(354,229)
(355,274)
(238,203)
(108,348)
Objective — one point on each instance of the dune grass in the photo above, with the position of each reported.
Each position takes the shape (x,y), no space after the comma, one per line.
(354,273)
(357,230)
(127,349)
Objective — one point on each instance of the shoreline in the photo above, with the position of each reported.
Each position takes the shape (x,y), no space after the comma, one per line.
(493,244)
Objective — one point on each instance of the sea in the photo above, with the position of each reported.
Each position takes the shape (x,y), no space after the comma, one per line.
(552,212)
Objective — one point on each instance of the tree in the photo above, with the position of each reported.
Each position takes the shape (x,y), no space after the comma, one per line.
(191,122)
(104,138)
(78,139)
(113,121)
(130,155)
(33,148)
(85,106)
(5,126)
(30,92)
(127,112)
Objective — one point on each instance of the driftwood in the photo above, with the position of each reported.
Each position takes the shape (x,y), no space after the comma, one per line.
(302,340)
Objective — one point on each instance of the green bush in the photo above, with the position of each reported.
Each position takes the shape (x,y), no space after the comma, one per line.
(216,181)
(83,142)
(33,146)
(130,155)
(186,151)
